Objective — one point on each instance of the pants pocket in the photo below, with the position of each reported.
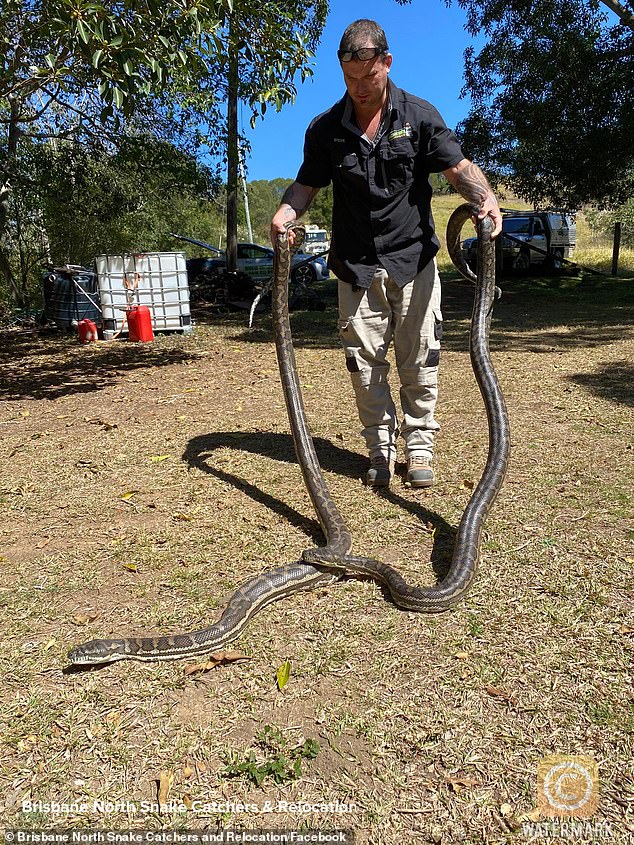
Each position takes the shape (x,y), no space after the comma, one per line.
(438,328)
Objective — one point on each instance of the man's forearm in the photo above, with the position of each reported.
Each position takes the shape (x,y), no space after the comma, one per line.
(470,182)
(473,185)
(297,199)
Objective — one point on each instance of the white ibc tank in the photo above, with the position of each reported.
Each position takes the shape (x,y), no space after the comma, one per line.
(155,279)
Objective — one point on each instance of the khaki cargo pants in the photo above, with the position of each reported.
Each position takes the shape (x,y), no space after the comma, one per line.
(410,317)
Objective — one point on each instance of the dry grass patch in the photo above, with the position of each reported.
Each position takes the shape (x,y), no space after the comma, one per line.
(143,484)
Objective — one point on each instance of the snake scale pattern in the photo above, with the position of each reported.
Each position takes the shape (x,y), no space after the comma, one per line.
(325,565)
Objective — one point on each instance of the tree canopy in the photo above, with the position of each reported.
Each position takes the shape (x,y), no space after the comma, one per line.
(81,78)
(553,113)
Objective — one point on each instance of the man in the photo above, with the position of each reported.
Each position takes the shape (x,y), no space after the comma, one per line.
(378,146)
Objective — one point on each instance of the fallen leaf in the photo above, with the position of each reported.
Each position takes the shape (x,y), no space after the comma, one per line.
(49,645)
(25,413)
(283,674)
(165,781)
(219,658)
(496,692)
(113,718)
(533,816)
(183,517)
(107,426)
(85,618)
(127,496)
(187,801)
(131,567)
(506,810)
(28,743)
(157,459)
(188,771)
(467,484)
(626,629)
(462,655)
(456,784)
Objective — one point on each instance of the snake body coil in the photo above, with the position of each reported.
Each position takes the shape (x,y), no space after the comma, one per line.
(324,565)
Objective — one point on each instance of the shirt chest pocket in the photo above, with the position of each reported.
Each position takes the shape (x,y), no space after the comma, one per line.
(347,169)
(396,165)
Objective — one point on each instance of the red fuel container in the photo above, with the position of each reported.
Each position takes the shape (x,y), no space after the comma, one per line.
(87,330)
(140,323)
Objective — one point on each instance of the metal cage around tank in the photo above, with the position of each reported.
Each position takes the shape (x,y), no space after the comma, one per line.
(157,280)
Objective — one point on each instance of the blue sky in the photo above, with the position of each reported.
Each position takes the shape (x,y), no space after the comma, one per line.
(427,40)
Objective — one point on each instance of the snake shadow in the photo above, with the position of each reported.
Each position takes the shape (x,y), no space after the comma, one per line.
(199,454)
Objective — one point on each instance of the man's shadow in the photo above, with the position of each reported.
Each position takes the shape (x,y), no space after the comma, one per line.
(200,454)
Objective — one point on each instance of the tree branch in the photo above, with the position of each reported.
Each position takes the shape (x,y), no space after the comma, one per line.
(626,17)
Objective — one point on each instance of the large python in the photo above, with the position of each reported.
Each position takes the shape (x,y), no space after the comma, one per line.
(325,565)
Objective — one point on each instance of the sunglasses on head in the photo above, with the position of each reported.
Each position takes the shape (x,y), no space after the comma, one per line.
(363,54)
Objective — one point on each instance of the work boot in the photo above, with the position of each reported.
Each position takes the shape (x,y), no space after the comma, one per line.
(419,471)
(380,472)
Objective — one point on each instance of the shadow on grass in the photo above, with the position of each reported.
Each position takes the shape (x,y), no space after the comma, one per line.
(34,366)
(279,447)
(613,382)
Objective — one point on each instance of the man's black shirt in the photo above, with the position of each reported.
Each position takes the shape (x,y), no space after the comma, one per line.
(381,191)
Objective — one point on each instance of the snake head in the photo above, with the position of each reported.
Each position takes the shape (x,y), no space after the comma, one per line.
(96,652)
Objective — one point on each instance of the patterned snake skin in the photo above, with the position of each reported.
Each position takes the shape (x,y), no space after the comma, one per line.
(325,565)
(466,554)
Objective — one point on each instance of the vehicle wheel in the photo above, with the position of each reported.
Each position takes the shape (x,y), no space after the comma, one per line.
(522,262)
(304,275)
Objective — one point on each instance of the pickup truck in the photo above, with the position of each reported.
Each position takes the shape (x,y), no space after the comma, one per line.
(533,237)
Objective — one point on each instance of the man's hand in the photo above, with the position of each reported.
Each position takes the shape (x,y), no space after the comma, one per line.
(297,198)
(472,184)
(283,216)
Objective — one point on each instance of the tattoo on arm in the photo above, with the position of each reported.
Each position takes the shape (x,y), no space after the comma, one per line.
(297,198)
(472,184)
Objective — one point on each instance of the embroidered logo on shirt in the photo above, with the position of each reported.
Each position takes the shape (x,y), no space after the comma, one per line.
(405,132)
(339,140)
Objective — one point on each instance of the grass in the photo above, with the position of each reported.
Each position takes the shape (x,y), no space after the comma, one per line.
(427,726)
(273,758)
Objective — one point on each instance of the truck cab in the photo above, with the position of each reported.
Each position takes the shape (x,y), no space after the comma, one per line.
(531,238)
(316,240)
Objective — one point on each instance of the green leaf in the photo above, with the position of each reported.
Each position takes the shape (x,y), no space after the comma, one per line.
(84,32)
(118,96)
(283,674)
(95,58)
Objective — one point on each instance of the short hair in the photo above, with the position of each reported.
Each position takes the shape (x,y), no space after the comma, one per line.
(358,34)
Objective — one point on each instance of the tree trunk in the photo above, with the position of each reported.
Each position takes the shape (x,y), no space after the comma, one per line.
(616,247)
(5,195)
(232,155)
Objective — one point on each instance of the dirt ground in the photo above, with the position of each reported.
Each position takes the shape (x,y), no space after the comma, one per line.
(142,484)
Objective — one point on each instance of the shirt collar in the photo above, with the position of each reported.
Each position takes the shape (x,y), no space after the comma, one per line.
(348,120)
